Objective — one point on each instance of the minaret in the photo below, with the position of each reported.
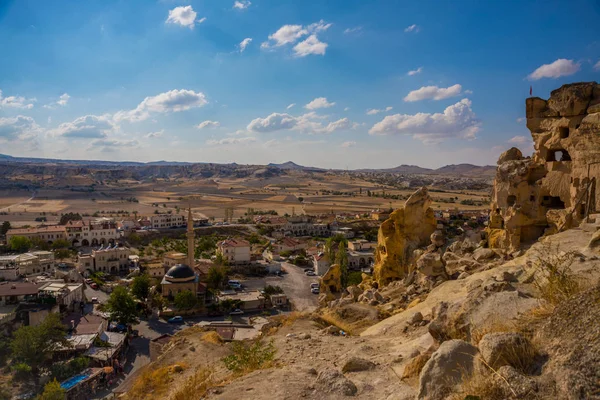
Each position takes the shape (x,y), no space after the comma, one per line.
(190,240)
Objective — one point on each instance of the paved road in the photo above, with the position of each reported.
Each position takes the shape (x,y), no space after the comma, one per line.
(294,283)
(89,293)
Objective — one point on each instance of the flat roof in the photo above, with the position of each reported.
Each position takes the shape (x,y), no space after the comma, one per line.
(18,288)
(243,296)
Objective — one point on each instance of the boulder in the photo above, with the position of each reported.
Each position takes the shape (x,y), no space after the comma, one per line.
(522,387)
(572,99)
(452,362)
(438,239)
(431,265)
(484,254)
(499,349)
(511,154)
(354,291)
(407,229)
(415,318)
(356,364)
(594,109)
(304,336)
(377,296)
(333,381)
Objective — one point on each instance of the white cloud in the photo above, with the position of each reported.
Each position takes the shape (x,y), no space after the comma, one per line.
(374,111)
(241,4)
(457,121)
(415,71)
(208,124)
(290,34)
(312,45)
(18,128)
(356,29)
(88,126)
(560,67)
(521,119)
(62,101)
(306,123)
(153,135)
(413,28)
(244,43)
(433,92)
(347,108)
(201,20)
(597,66)
(519,140)
(184,16)
(230,141)
(16,102)
(319,102)
(290,106)
(171,101)
(109,145)
(468,91)
(349,144)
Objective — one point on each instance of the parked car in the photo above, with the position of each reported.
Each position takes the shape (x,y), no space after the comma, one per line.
(308,269)
(88,281)
(178,319)
(234,284)
(94,286)
(314,285)
(315,290)
(310,273)
(237,311)
(95,300)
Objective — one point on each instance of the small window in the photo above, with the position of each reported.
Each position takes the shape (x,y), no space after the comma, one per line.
(564,132)
(532,198)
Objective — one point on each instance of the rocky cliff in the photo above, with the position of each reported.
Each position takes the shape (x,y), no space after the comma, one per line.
(556,187)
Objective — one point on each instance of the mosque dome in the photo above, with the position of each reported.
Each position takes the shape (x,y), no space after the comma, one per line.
(180,273)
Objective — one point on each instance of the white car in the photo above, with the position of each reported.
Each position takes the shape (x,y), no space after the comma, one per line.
(314,290)
(95,300)
(314,285)
(237,311)
(310,273)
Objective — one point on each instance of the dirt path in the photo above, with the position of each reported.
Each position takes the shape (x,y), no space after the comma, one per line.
(7,209)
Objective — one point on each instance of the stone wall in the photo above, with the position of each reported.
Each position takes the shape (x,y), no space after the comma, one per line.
(555,188)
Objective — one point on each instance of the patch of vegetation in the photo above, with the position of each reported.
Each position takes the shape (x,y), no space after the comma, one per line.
(185,300)
(556,281)
(53,391)
(250,357)
(121,306)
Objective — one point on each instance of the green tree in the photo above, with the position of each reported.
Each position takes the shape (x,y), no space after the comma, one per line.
(33,345)
(221,260)
(19,244)
(157,301)
(121,306)
(140,287)
(341,258)
(185,300)
(60,244)
(40,244)
(53,391)
(217,275)
(4,228)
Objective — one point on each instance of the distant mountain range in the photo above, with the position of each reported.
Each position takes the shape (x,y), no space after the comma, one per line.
(454,169)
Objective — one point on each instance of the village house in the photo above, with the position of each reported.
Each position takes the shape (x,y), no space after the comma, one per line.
(111,260)
(67,295)
(173,258)
(279,300)
(35,262)
(155,269)
(347,233)
(302,225)
(235,251)
(321,263)
(17,292)
(289,244)
(360,259)
(361,245)
(46,233)
(249,301)
(101,231)
(165,221)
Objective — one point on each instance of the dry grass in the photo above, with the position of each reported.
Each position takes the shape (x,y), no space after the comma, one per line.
(414,366)
(481,386)
(493,327)
(196,386)
(212,337)
(556,281)
(332,318)
(153,383)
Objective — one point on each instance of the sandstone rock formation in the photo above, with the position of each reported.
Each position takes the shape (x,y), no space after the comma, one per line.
(556,188)
(331,283)
(407,228)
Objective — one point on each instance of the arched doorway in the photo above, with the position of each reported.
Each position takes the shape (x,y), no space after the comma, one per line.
(94,242)
(85,242)
(102,241)
(75,242)
(111,241)
(113,269)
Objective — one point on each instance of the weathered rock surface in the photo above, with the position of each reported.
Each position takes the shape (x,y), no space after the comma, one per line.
(431,265)
(510,348)
(407,228)
(333,381)
(356,364)
(448,366)
(547,193)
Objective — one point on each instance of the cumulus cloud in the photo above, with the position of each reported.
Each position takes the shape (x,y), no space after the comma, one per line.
(16,102)
(109,145)
(374,111)
(349,144)
(230,141)
(319,102)
(62,101)
(357,29)
(244,43)
(184,16)
(18,128)
(412,28)
(241,4)
(154,135)
(306,123)
(560,67)
(208,124)
(86,127)
(290,106)
(290,34)
(519,140)
(433,92)
(457,121)
(171,101)
(415,71)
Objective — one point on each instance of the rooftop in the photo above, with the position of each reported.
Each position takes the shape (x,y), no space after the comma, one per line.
(39,229)
(232,242)
(18,288)
(84,324)
(243,296)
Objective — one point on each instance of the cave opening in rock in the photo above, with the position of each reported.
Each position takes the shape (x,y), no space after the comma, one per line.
(553,202)
(511,200)
(564,132)
(558,155)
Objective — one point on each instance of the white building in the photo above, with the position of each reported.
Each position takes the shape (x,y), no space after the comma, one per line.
(110,260)
(101,231)
(36,262)
(321,263)
(235,251)
(164,221)
(361,245)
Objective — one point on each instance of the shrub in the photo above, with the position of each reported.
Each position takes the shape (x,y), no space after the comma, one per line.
(555,280)
(196,386)
(21,370)
(248,358)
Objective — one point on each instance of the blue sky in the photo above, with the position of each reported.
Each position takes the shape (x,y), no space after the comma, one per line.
(337,83)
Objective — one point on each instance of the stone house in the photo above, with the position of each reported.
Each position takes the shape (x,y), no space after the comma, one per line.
(235,251)
(110,260)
